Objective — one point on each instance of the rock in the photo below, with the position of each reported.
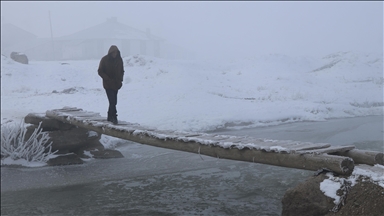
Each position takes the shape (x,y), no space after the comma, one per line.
(30,130)
(107,153)
(68,159)
(72,139)
(307,199)
(364,198)
(94,145)
(19,57)
(64,137)
(48,124)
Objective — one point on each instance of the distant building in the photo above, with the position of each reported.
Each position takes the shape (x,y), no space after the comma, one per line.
(15,39)
(94,42)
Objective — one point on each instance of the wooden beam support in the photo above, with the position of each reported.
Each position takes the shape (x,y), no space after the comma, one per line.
(338,164)
(363,156)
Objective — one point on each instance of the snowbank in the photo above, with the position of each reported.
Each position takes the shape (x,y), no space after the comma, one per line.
(204,95)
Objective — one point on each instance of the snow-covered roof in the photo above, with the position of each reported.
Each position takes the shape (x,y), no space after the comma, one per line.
(111,29)
(16,39)
(13,34)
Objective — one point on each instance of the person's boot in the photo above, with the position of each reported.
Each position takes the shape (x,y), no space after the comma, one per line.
(114,119)
(110,118)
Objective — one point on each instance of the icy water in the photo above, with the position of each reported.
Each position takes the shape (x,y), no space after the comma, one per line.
(155,181)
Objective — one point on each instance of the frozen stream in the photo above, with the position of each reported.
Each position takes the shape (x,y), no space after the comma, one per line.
(155,181)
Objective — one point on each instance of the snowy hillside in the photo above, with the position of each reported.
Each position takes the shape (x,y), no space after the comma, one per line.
(203,95)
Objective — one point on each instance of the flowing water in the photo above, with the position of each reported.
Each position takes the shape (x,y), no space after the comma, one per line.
(156,181)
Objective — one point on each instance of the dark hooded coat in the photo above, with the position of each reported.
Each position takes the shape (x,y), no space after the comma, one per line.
(112,70)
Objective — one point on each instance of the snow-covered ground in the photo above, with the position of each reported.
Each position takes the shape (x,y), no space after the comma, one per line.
(202,95)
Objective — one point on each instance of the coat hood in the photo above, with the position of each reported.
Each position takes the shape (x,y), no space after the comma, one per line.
(114,48)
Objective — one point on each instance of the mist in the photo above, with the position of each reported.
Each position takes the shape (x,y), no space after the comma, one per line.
(221,30)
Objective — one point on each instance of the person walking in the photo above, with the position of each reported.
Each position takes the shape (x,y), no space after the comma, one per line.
(111,70)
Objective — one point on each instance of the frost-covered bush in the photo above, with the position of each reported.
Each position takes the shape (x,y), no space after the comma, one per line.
(15,145)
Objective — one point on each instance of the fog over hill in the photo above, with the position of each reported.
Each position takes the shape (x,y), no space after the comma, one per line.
(219,30)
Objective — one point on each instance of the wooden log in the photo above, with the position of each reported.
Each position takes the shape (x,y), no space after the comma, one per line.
(288,146)
(332,149)
(298,146)
(192,135)
(338,164)
(234,140)
(364,157)
(69,109)
(311,146)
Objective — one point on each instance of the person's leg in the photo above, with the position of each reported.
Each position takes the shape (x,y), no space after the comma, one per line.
(112,98)
(115,100)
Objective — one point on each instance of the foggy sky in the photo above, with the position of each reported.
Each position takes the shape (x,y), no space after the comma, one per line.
(220,29)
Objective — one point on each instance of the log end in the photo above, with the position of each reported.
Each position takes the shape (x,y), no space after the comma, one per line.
(347,165)
(379,158)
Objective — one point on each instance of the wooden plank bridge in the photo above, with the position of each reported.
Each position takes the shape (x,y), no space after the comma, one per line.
(285,153)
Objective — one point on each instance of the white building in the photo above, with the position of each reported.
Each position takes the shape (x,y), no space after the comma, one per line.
(15,39)
(94,42)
